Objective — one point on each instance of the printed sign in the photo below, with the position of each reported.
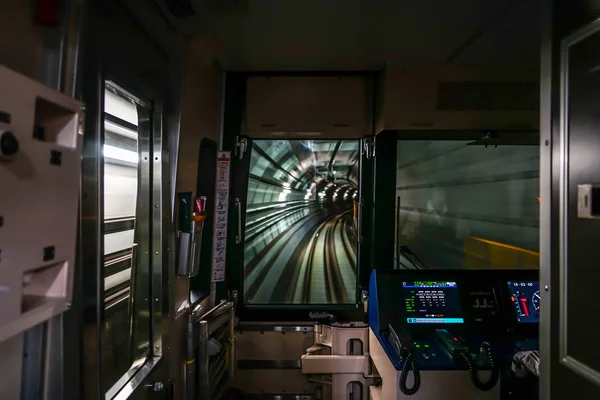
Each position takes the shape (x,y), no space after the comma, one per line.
(222,204)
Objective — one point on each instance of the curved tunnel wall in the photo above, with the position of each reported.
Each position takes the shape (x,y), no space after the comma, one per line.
(300,244)
(451,191)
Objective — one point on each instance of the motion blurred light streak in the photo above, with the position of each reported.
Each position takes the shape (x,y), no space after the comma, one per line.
(304,251)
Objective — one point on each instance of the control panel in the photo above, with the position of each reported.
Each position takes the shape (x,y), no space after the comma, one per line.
(453,320)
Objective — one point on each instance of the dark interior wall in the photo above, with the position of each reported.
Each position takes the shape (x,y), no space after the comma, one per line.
(25,55)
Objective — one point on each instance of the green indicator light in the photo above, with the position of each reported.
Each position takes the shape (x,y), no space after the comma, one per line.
(418,346)
(426,345)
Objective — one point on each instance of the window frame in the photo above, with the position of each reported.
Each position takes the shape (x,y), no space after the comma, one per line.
(150,241)
(235,260)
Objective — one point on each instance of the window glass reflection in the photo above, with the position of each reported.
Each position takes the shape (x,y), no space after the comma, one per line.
(465,205)
(300,234)
(124,334)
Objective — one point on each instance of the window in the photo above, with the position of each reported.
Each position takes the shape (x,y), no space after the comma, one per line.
(300,233)
(461,204)
(127,327)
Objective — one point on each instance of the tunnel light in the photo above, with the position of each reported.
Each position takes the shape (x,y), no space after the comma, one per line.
(287,191)
(286,185)
(115,153)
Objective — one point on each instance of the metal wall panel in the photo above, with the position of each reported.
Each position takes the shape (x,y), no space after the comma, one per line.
(269,361)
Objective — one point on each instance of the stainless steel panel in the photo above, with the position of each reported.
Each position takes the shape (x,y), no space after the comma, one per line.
(272,381)
(275,328)
(279,397)
(92,243)
(269,364)
(546,146)
(32,384)
(161,218)
(135,381)
(11,356)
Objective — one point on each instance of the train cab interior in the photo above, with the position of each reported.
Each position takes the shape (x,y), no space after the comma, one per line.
(299,200)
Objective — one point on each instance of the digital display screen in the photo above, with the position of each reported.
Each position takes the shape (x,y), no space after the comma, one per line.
(432,302)
(525,296)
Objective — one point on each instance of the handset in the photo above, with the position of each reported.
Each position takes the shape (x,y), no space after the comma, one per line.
(403,344)
(401,339)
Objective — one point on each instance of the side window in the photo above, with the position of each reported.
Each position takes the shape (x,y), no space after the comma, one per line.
(126,222)
(300,233)
(460,204)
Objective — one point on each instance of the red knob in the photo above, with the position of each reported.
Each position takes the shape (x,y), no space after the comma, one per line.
(200,204)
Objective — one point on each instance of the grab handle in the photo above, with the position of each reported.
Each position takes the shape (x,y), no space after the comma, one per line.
(238,207)
(360,221)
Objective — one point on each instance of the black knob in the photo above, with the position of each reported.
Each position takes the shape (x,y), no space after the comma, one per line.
(9,145)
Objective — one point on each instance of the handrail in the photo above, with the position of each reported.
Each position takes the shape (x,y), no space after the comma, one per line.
(203,374)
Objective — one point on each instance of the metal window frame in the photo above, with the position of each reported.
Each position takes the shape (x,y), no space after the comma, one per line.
(153,159)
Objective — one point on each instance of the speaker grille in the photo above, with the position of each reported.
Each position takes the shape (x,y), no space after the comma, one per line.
(487,96)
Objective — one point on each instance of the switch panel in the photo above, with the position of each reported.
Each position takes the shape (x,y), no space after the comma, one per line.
(40,174)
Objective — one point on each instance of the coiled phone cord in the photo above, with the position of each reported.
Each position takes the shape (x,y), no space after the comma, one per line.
(474,370)
(409,364)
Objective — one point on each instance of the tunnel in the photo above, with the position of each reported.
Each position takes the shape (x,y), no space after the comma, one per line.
(300,227)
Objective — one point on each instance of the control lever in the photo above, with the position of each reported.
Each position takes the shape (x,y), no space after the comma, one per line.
(404,346)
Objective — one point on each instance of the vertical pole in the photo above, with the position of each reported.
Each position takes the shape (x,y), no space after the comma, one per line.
(397,263)
(190,362)
(231,345)
(203,375)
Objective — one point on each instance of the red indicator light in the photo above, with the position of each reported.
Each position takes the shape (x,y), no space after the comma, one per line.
(455,339)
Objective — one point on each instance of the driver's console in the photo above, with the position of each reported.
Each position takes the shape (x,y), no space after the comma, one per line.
(451,334)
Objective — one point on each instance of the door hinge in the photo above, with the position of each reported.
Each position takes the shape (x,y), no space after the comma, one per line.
(241,145)
(369,147)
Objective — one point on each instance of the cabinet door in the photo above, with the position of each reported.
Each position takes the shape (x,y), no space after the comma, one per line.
(307,104)
(570,357)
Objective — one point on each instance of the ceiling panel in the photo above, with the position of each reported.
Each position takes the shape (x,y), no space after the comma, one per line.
(363,34)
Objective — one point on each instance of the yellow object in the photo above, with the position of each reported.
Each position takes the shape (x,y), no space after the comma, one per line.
(188,362)
(487,254)
(199,217)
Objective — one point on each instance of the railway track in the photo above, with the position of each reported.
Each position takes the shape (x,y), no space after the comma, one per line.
(327,272)
(313,261)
